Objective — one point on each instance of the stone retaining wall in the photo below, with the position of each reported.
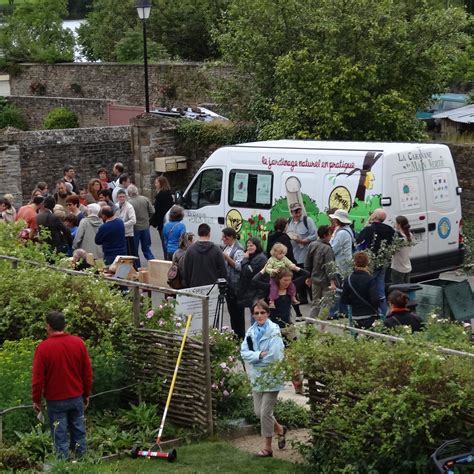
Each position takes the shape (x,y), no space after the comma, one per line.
(90,112)
(170,83)
(42,155)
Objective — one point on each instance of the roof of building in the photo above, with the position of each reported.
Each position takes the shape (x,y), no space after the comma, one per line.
(461,115)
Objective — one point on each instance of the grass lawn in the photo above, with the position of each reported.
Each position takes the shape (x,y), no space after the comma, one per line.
(193,458)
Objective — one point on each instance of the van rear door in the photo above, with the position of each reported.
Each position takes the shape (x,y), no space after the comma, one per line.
(404,194)
(443,209)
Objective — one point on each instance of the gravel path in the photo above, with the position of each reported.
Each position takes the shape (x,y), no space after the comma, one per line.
(251,444)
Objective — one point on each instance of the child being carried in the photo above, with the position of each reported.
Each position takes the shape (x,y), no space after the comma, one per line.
(275,263)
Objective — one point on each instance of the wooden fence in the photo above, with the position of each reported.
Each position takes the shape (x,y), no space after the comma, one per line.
(153,358)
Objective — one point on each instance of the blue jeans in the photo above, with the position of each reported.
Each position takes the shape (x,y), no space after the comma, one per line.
(67,416)
(379,280)
(143,238)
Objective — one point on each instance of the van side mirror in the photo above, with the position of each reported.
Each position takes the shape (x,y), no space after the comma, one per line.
(178,197)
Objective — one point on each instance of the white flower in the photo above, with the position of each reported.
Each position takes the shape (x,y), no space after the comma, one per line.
(223,365)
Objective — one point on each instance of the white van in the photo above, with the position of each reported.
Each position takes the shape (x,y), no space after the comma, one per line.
(249,186)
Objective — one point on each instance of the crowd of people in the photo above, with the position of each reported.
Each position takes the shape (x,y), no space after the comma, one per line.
(106,219)
(302,263)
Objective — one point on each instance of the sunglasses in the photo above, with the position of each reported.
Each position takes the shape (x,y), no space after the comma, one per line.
(259,312)
(296,211)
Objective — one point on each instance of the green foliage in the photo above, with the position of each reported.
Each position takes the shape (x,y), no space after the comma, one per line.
(359,72)
(230,387)
(36,34)
(10,116)
(163,317)
(183,28)
(290,414)
(61,118)
(37,443)
(383,408)
(194,134)
(16,359)
(110,372)
(94,309)
(130,48)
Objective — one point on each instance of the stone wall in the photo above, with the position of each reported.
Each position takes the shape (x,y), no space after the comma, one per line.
(463,155)
(90,112)
(10,170)
(41,156)
(173,83)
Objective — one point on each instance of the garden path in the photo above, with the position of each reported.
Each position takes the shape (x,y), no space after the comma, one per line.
(252,443)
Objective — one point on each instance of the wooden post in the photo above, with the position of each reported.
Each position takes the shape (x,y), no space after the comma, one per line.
(136,306)
(207,364)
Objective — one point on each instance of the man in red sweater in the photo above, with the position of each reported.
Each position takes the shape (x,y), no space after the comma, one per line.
(62,374)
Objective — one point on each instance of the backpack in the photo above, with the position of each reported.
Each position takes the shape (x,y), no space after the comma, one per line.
(352,239)
(305,221)
(174,279)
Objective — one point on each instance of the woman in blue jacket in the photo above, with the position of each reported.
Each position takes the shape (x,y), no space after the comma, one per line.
(261,347)
(173,230)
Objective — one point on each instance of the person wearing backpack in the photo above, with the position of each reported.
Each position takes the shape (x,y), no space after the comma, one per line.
(302,231)
(342,243)
(342,240)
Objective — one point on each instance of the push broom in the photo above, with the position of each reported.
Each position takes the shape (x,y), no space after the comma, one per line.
(155,451)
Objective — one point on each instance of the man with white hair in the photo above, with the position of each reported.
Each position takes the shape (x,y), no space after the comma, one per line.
(141,230)
(88,228)
(375,237)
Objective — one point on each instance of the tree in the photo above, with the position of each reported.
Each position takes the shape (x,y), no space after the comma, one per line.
(130,48)
(34,32)
(338,69)
(107,23)
(183,28)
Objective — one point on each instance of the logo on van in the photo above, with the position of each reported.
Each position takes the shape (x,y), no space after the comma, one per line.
(340,198)
(234,220)
(444,227)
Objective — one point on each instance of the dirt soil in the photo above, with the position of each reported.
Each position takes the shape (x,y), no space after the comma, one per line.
(252,444)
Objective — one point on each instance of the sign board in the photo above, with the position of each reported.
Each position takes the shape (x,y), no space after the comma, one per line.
(187,305)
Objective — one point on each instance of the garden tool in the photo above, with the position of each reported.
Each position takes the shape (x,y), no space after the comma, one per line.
(155,451)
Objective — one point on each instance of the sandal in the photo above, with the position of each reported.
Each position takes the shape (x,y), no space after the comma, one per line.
(265,453)
(282,438)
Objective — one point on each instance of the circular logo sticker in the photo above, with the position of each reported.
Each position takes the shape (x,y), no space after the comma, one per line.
(234,219)
(340,198)
(444,228)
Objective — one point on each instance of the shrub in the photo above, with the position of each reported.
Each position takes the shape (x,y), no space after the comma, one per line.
(384,407)
(197,135)
(16,359)
(10,116)
(60,118)
(290,414)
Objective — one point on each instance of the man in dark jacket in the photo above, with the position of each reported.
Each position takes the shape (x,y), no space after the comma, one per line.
(62,374)
(204,262)
(60,236)
(317,263)
(373,237)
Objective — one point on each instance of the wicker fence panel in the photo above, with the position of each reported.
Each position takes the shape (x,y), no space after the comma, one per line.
(153,357)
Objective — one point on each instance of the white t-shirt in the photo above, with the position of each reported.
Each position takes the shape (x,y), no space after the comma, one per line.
(401,259)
